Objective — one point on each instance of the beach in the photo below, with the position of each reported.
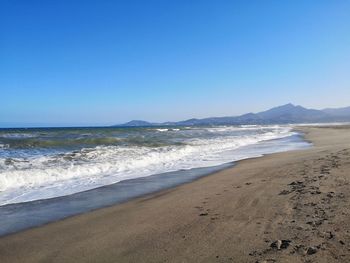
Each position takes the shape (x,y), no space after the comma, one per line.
(284,207)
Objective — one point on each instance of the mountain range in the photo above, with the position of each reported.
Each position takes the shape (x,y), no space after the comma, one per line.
(285,114)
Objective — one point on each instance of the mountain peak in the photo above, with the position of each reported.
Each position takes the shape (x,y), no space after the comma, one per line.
(137,123)
(287,106)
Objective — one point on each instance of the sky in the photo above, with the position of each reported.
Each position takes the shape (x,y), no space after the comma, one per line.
(106,62)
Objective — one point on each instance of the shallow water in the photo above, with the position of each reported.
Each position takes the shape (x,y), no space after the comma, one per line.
(16,217)
(45,163)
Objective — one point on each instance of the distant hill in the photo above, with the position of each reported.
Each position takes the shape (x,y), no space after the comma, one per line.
(338,112)
(284,114)
(290,113)
(136,123)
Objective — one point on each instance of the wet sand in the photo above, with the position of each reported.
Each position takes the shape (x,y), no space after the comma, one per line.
(284,207)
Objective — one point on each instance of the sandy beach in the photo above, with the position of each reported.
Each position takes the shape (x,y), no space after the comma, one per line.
(285,207)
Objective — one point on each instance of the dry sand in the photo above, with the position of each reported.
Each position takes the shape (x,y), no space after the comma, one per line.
(301,198)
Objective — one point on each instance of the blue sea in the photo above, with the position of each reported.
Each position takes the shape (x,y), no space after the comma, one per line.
(49,174)
(42,163)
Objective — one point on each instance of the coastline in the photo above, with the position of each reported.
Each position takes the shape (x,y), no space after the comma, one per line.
(17,217)
(233,215)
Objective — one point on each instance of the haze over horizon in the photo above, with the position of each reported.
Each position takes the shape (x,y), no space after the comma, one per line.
(88,63)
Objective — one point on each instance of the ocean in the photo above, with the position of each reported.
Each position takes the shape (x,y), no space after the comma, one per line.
(47,174)
(42,163)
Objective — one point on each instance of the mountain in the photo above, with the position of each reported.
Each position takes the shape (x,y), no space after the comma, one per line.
(284,114)
(134,123)
(338,111)
(290,113)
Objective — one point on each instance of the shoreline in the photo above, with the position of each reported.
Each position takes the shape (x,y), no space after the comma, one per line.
(233,215)
(45,164)
(18,217)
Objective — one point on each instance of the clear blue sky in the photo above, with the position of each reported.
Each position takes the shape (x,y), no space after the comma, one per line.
(102,62)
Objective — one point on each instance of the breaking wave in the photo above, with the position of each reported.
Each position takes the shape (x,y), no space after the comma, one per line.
(25,178)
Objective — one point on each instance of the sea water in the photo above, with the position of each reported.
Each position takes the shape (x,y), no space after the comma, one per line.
(50,174)
(50,162)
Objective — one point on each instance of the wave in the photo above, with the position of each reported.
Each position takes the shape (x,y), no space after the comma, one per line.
(82,141)
(167,129)
(32,142)
(14,135)
(4,146)
(37,177)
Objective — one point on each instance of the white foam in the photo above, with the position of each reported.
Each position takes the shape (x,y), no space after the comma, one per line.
(18,135)
(44,177)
